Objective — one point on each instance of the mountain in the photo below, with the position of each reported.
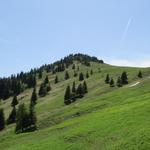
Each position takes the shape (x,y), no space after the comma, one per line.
(107,117)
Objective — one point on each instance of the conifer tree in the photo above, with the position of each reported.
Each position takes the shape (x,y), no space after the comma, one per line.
(40,74)
(46,80)
(56,79)
(81,77)
(107,80)
(112,82)
(32,116)
(78,68)
(48,87)
(119,82)
(2,120)
(34,96)
(67,97)
(74,87)
(12,116)
(26,121)
(124,78)
(80,92)
(73,94)
(140,74)
(87,74)
(85,89)
(75,74)
(67,75)
(42,90)
(14,101)
(19,120)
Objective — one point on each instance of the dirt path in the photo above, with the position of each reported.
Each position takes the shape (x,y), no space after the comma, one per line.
(134,84)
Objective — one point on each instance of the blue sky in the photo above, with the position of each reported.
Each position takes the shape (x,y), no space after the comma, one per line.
(34,32)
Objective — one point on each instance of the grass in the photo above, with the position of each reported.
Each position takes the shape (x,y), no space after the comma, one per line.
(106,118)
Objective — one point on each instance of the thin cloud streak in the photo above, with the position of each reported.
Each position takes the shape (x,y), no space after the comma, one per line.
(126,29)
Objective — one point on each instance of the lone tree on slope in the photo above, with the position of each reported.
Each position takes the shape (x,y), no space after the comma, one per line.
(140,74)
(112,82)
(14,101)
(87,74)
(75,74)
(34,96)
(119,82)
(107,80)
(81,77)
(12,116)
(124,78)
(80,92)
(85,89)
(67,97)
(42,90)
(74,87)
(67,75)
(46,80)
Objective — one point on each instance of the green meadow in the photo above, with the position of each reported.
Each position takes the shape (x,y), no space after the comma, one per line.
(105,119)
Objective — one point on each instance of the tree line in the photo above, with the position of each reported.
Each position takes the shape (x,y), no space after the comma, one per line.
(16,84)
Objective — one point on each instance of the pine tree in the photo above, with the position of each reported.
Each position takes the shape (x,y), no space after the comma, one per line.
(74,87)
(26,121)
(32,117)
(14,101)
(73,94)
(119,82)
(140,74)
(34,96)
(78,68)
(87,74)
(40,74)
(48,87)
(124,78)
(67,75)
(81,77)
(42,90)
(67,97)
(107,80)
(80,92)
(12,116)
(112,82)
(19,119)
(2,120)
(46,80)
(56,79)
(85,89)
(75,74)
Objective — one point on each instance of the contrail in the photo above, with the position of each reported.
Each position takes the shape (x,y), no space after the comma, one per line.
(126,29)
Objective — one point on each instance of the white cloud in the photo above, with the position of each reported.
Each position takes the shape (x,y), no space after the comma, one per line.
(131,63)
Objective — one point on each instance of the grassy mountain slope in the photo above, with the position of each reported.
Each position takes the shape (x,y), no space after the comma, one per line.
(106,118)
